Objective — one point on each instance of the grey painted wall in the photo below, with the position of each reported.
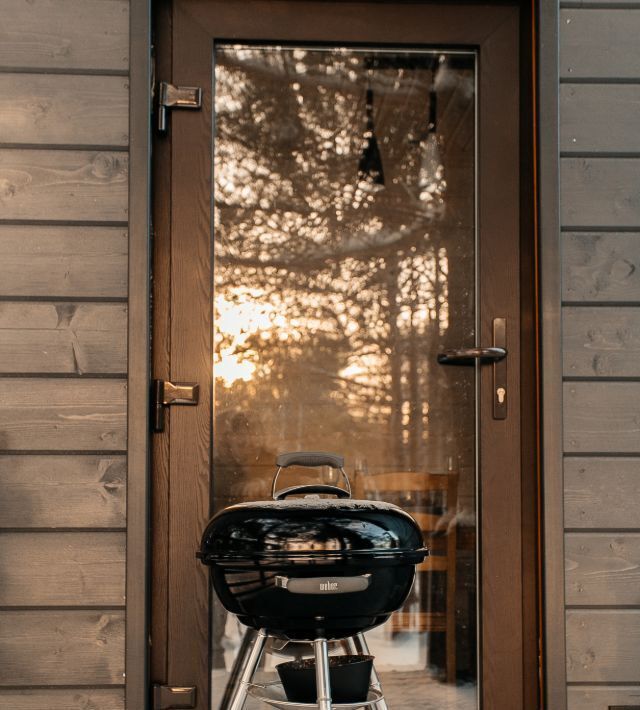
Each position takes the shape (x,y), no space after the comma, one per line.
(600,237)
(64,123)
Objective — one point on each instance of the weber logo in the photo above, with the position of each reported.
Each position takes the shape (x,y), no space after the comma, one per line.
(328,586)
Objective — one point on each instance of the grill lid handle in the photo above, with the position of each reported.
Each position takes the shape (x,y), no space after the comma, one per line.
(309,458)
(310,489)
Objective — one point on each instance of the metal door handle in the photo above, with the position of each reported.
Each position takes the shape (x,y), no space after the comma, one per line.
(469,356)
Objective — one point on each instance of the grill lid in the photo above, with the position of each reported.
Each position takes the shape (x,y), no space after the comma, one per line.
(312,528)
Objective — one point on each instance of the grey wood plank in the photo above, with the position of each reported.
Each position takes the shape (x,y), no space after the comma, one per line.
(601,267)
(603,646)
(42,414)
(602,568)
(80,262)
(599,43)
(599,192)
(602,492)
(65,34)
(63,185)
(64,109)
(62,569)
(601,342)
(600,698)
(602,416)
(67,699)
(61,647)
(63,337)
(63,491)
(599,117)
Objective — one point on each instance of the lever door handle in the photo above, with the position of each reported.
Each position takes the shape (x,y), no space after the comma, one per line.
(468,357)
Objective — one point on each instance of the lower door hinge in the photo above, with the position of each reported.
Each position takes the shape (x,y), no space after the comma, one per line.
(171,97)
(165,393)
(168,697)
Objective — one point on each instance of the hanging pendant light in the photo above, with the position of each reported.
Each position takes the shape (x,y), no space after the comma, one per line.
(431,182)
(370,170)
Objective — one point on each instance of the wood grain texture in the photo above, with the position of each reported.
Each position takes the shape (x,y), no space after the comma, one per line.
(63,491)
(600,192)
(601,342)
(602,569)
(80,262)
(603,646)
(63,184)
(601,492)
(599,43)
(64,109)
(67,699)
(63,337)
(600,698)
(599,117)
(62,569)
(602,416)
(601,267)
(65,34)
(61,647)
(59,414)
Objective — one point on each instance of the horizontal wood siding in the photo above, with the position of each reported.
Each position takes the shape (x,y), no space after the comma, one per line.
(602,698)
(66,647)
(602,645)
(600,192)
(602,416)
(65,569)
(63,337)
(602,569)
(602,493)
(53,699)
(599,43)
(65,34)
(602,342)
(63,185)
(601,267)
(63,491)
(63,262)
(43,109)
(600,118)
(600,219)
(64,181)
(59,414)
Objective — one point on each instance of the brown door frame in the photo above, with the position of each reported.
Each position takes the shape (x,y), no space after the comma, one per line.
(183,316)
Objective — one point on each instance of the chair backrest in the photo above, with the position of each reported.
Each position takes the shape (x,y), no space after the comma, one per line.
(391,486)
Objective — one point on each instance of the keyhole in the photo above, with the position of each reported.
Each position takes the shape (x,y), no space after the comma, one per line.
(501,392)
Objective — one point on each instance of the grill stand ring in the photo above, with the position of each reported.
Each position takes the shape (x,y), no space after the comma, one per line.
(250,653)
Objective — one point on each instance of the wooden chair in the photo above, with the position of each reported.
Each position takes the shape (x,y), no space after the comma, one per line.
(439,532)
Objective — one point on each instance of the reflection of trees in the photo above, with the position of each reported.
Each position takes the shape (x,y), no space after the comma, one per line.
(353,285)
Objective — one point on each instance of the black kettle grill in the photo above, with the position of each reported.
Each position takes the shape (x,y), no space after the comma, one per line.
(308,567)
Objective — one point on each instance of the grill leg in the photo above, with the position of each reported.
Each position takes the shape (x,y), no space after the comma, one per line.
(358,644)
(323,687)
(235,694)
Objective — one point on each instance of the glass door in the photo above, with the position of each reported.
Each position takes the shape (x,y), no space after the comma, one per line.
(344,261)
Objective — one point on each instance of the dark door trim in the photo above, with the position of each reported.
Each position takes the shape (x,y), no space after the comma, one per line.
(183,622)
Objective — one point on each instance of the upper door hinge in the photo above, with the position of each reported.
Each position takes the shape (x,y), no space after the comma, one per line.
(166,697)
(165,393)
(171,97)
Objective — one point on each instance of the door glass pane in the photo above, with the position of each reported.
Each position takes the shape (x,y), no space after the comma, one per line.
(344,261)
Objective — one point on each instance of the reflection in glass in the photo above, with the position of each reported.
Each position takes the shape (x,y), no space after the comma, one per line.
(344,250)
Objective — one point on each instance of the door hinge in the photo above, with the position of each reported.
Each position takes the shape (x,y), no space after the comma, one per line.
(167,697)
(165,393)
(172,97)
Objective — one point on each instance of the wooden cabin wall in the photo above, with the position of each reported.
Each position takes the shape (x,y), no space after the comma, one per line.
(600,236)
(64,97)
